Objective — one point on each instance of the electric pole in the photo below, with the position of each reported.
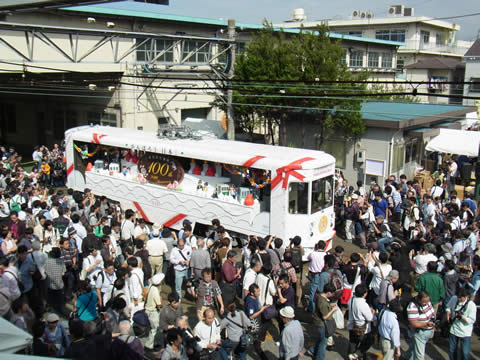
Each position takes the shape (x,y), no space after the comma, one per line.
(231,72)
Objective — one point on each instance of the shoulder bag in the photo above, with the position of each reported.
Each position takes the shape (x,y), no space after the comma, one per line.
(271,311)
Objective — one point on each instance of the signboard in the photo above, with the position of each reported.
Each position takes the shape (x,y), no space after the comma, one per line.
(375,167)
(160,169)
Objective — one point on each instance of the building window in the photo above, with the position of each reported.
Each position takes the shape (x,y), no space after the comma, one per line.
(356,59)
(392,35)
(398,157)
(400,64)
(440,39)
(343,59)
(475,87)
(387,60)
(201,56)
(155,50)
(240,48)
(425,36)
(338,149)
(101,118)
(373,59)
(351,33)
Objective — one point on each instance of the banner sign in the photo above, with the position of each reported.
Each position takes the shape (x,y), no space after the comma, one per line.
(160,169)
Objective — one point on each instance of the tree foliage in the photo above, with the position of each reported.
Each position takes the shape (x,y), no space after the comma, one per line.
(281,79)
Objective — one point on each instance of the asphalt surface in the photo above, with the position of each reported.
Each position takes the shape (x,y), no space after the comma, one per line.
(436,348)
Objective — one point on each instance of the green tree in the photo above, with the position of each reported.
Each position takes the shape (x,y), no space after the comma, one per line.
(284,77)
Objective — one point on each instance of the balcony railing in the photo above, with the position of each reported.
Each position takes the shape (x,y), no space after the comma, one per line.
(433,47)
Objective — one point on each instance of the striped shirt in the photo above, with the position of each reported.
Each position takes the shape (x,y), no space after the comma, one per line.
(421,313)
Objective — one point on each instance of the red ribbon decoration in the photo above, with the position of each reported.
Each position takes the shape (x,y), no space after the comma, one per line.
(252,161)
(289,170)
(97,137)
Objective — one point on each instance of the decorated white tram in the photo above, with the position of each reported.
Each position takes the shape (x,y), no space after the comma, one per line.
(253,189)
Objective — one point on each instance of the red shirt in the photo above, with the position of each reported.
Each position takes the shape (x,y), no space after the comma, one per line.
(228,271)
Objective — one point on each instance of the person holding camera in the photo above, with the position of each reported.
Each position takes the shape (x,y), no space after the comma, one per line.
(236,324)
(175,350)
(421,322)
(461,314)
(208,332)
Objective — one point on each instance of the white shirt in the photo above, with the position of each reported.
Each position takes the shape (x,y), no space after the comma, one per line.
(54,213)
(377,276)
(176,257)
(249,278)
(10,276)
(127,229)
(317,262)
(207,334)
(421,262)
(359,314)
(156,247)
(136,283)
(262,281)
(453,169)
(105,284)
(88,262)
(139,231)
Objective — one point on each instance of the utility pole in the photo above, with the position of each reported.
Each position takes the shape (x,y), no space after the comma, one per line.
(231,72)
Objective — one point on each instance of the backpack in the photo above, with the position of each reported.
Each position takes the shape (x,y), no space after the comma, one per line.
(337,281)
(121,350)
(141,323)
(284,271)
(14,205)
(296,259)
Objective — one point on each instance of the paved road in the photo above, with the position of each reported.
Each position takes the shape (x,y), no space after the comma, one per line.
(436,349)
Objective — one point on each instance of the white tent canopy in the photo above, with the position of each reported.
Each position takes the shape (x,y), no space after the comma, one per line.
(459,142)
(12,338)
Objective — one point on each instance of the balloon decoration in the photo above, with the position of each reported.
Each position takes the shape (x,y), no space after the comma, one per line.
(84,153)
(244,171)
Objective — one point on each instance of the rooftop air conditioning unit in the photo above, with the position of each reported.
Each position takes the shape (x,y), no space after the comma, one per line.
(363,15)
(396,10)
(356,13)
(408,12)
(369,15)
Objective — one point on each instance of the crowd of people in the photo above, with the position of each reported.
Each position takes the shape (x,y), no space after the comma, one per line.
(91,280)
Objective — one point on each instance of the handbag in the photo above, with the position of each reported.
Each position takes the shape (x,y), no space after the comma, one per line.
(330,327)
(37,275)
(271,311)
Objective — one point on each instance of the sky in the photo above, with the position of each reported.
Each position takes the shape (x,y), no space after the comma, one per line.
(276,11)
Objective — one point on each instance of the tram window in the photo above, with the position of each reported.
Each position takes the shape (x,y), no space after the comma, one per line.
(322,193)
(298,198)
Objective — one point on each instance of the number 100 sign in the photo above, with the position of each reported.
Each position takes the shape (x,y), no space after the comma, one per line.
(160,169)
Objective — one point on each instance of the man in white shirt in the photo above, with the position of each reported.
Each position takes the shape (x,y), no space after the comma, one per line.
(452,174)
(268,287)
(380,270)
(104,283)
(428,210)
(251,275)
(140,229)
(419,262)
(180,258)
(92,265)
(156,248)
(136,283)
(9,274)
(208,331)
(191,239)
(360,317)
(127,228)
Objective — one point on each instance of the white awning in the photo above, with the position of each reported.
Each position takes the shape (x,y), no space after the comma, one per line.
(459,142)
(12,338)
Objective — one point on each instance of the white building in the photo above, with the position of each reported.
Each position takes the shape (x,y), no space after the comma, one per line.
(472,73)
(425,41)
(122,64)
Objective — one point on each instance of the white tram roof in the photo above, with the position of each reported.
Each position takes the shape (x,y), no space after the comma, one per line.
(210,149)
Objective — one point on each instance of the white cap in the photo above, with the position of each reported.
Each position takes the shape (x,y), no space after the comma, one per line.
(287,312)
(158,278)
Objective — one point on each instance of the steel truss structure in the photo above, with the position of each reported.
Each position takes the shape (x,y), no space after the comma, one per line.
(214,51)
